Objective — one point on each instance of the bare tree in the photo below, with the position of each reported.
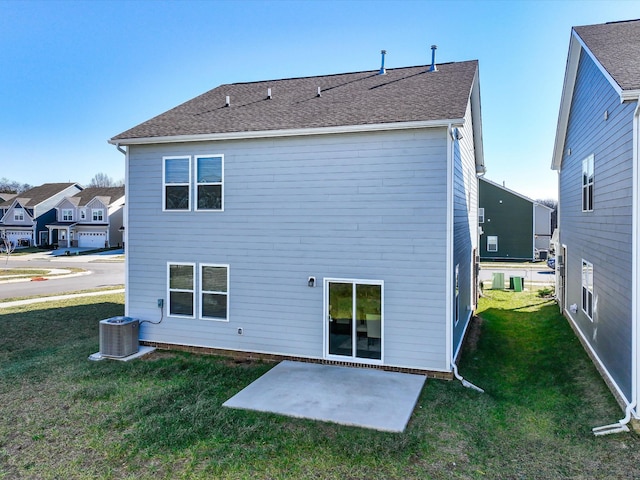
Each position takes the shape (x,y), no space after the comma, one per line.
(104,180)
(10,186)
(7,247)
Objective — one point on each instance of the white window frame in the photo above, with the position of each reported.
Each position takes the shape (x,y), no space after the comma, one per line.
(197,184)
(83,214)
(588,183)
(169,290)
(481,215)
(490,242)
(97,218)
(586,301)
(202,292)
(18,215)
(182,184)
(67,215)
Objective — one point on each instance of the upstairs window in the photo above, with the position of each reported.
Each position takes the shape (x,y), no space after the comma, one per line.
(209,176)
(481,215)
(18,215)
(587,289)
(67,215)
(177,183)
(98,215)
(587,184)
(83,214)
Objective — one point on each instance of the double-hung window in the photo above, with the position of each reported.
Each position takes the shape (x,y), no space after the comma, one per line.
(214,291)
(481,215)
(587,184)
(176,194)
(587,289)
(67,215)
(492,243)
(209,182)
(98,215)
(18,215)
(181,286)
(83,214)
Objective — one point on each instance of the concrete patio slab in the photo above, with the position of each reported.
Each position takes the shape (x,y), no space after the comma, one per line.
(360,397)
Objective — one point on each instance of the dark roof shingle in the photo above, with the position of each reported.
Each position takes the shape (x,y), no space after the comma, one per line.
(110,194)
(36,195)
(616,45)
(362,98)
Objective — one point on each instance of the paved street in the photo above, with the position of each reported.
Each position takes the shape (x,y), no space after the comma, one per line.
(538,273)
(100,271)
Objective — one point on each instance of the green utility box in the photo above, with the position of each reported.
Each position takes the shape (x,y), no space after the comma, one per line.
(498,281)
(516,283)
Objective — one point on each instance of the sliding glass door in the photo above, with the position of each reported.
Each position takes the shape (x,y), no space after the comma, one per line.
(354,318)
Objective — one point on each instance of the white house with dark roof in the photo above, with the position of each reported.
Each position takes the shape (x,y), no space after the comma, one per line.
(596,156)
(24,216)
(92,218)
(329,218)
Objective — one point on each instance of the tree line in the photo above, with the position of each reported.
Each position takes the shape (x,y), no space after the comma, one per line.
(98,180)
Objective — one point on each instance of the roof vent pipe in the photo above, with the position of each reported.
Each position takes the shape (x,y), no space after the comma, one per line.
(228,102)
(433,67)
(382,70)
(269,93)
(319,92)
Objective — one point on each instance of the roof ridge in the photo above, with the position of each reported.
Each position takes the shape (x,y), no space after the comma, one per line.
(376,71)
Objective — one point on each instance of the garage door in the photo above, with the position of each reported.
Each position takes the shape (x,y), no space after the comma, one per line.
(16,236)
(91,239)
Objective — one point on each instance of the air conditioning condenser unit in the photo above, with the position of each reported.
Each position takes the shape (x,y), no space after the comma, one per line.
(119,336)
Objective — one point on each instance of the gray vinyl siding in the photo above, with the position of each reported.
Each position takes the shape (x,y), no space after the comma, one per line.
(355,206)
(465,225)
(602,237)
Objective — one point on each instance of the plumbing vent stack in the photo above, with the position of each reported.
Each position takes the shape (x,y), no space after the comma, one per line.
(382,70)
(269,93)
(433,67)
(319,92)
(228,102)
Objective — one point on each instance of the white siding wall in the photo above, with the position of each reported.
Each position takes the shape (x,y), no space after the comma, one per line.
(465,223)
(363,206)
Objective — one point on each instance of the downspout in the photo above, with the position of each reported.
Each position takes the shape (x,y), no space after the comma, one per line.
(120,149)
(621,425)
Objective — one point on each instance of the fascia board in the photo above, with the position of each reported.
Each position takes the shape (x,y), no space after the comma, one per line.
(476,118)
(288,133)
(571,70)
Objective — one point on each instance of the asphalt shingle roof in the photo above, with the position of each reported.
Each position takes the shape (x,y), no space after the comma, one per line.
(362,98)
(36,195)
(109,194)
(616,45)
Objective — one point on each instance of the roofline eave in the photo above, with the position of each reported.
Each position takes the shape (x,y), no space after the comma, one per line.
(294,132)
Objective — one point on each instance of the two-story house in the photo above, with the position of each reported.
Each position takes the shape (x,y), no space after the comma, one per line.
(92,218)
(596,156)
(329,218)
(513,226)
(26,215)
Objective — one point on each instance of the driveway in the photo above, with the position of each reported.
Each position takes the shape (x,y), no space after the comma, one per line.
(101,270)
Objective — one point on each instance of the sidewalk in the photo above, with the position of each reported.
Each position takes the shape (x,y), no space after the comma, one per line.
(28,301)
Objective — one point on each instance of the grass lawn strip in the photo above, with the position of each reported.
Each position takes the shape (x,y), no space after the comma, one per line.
(161,417)
(21,273)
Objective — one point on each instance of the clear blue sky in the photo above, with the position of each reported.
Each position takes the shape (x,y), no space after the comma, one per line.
(74,74)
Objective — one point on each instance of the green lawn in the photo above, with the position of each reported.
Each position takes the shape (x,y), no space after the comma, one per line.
(66,417)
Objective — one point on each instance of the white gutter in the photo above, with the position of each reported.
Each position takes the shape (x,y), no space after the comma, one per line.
(286,133)
(621,425)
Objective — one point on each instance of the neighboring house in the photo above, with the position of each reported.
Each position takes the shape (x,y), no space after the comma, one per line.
(596,156)
(26,215)
(92,218)
(513,226)
(6,196)
(329,218)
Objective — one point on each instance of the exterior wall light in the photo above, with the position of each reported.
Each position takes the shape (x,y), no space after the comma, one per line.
(311,282)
